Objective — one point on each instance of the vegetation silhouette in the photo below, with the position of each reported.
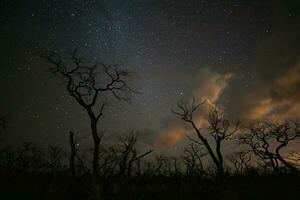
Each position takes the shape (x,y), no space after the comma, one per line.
(219,129)
(82,81)
(29,172)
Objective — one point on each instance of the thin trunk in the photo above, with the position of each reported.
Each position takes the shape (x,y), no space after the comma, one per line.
(96,140)
(96,150)
(220,159)
(212,155)
(207,146)
(73,153)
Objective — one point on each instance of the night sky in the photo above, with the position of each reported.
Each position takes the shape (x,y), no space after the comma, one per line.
(240,56)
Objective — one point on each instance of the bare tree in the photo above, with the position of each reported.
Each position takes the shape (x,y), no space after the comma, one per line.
(176,165)
(192,158)
(240,161)
(149,168)
(161,166)
(127,154)
(8,158)
(75,160)
(23,157)
(108,161)
(73,153)
(55,156)
(27,158)
(219,129)
(267,140)
(87,85)
(258,141)
(284,133)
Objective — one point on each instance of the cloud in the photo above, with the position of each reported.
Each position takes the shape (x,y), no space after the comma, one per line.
(273,94)
(275,98)
(206,85)
(282,99)
(169,135)
(211,85)
(276,93)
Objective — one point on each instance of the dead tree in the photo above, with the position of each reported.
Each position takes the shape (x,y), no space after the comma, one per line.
(160,166)
(167,166)
(73,153)
(23,157)
(149,168)
(192,159)
(108,161)
(127,154)
(219,129)
(27,158)
(240,161)
(284,133)
(88,84)
(267,140)
(74,156)
(8,159)
(55,156)
(258,139)
(176,163)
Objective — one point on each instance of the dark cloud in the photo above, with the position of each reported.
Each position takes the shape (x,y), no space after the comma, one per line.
(275,92)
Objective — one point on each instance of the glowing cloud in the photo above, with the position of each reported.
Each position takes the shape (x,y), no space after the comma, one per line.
(208,87)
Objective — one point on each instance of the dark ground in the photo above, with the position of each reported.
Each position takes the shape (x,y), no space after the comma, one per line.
(60,186)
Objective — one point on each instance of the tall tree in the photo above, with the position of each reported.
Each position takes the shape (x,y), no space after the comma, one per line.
(74,156)
(88,84)
(219,129)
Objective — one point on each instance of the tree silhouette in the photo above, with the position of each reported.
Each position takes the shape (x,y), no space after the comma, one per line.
(192,159)
(267,140)
(74,156)
(88,84)
(164,166)
(55,156)
(219,129)
(73,153)
(127,154)
(240,161)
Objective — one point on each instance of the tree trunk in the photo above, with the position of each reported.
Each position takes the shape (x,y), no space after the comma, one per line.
(288,165)
(208,147)
(220,166)
(73,153)
(213,157)
(96,140)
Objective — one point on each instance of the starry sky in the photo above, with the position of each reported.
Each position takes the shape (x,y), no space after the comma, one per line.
(240,56)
